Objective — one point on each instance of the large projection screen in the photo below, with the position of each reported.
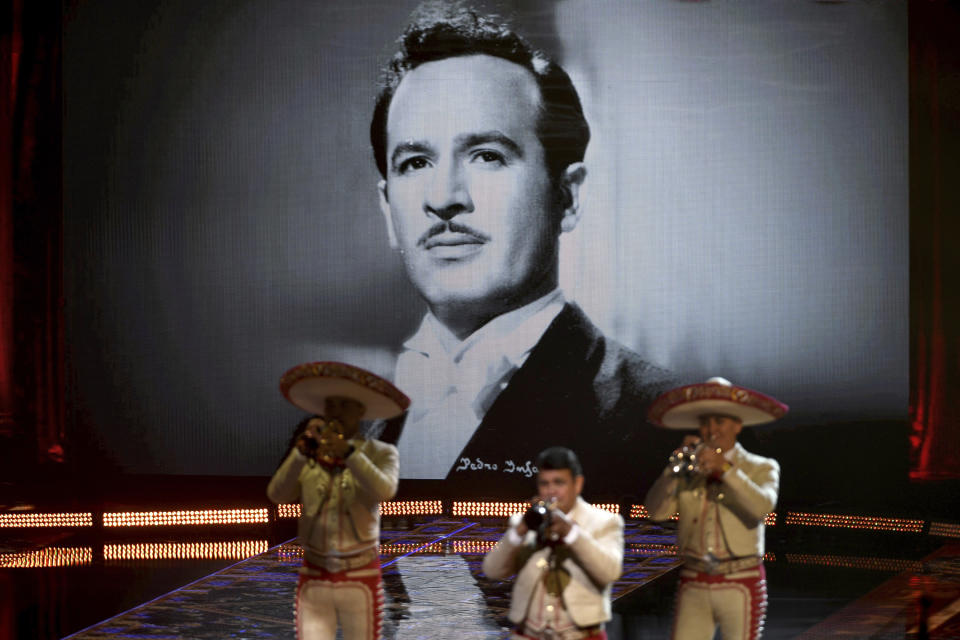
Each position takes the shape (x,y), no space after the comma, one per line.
(745,212)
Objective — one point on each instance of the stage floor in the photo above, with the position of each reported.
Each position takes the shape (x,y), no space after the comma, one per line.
(851,584)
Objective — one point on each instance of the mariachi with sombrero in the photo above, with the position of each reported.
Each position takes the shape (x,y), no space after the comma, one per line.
(339,479)
(721,502)
(682,408)
(342,395)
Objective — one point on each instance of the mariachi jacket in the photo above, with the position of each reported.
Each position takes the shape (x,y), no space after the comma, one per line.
(596,561)
(746,494)
(340,507)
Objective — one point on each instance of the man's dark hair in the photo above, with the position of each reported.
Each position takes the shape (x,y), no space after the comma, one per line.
(558,458)
(440,30)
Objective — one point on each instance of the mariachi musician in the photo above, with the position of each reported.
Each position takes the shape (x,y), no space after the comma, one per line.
(340,478)
(723,493)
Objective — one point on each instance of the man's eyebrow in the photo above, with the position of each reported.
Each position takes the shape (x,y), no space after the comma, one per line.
(486,137)
(410,146)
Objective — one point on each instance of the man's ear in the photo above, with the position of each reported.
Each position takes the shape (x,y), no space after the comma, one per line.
(569,184)
(387,214)
(578,484)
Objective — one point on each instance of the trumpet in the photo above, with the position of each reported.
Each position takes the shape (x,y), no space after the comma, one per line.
(685,461)
(538,518)
(330,434)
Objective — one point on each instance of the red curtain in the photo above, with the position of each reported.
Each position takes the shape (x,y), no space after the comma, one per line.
(31,318)
(935,258)
(9,56)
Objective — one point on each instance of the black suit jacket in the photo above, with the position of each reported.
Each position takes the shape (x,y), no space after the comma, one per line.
(577,389)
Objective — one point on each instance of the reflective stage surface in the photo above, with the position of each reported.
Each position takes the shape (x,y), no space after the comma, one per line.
(823,582)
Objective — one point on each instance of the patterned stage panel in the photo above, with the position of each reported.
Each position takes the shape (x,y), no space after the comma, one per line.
(432,579)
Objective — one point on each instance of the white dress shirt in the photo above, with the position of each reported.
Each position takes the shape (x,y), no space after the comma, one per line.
(452,383)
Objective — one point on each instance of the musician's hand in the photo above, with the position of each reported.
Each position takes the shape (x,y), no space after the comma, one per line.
(560,524)
(710,461)
(522,527)
(307,442)
(338,447)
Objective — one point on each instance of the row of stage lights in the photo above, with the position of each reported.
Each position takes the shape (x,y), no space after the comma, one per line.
(428,508)
(121,554)
(873,523)
(639,512)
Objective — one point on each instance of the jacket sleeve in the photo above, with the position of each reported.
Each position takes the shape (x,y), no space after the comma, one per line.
(285,484)
(661,500)
(600,552)
(500,562)
(377,473)
(753,495)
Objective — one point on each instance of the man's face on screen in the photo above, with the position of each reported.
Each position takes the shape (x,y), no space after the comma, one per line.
(467,198)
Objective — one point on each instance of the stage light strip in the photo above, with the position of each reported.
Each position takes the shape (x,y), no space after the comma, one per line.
(472,546)
(612,508)
(488,509)
(289,510)
(432,507)
(455,546)
(650,550)
(290,553)
(182,518)
(393,508)
(855,562)
(401,548)
(31,520)
(874,523)
(639,512)
(48,557)
(506,509)
(443,537)
(412,508)
(945,529)
(234,550)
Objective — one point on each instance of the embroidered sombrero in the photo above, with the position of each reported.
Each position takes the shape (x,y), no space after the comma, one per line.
(308,385)
(682,407)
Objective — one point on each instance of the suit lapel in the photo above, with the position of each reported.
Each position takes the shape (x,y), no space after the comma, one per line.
(548,400)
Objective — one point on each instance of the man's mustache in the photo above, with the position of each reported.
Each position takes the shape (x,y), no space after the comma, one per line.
(452,227)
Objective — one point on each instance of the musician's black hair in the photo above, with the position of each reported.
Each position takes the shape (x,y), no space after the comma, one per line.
(558,458)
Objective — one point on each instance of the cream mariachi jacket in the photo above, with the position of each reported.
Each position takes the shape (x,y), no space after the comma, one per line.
(341,510)
(597,561)
(747,493)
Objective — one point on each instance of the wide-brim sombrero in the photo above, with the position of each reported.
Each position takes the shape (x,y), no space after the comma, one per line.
(682,407)
(308,386)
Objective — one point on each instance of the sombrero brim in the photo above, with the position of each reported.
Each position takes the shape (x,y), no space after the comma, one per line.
(681,408)
(308,386)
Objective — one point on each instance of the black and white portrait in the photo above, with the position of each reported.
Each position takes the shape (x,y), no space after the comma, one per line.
(724,192)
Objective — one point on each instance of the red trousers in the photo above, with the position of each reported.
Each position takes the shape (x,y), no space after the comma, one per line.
(737,602)
(354,598)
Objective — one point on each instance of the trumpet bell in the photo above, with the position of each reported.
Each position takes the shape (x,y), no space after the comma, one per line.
(684,462)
